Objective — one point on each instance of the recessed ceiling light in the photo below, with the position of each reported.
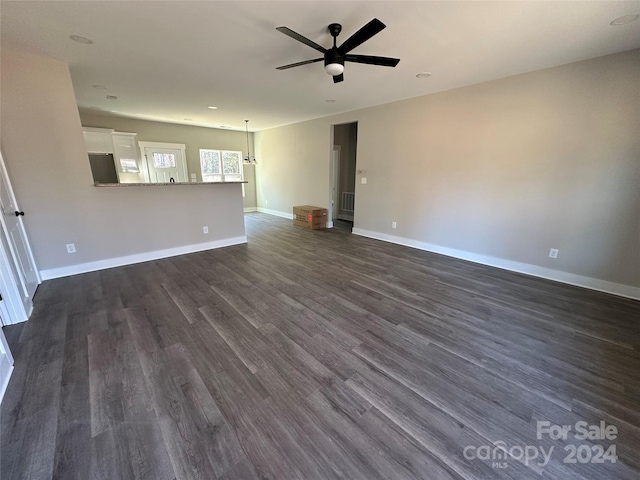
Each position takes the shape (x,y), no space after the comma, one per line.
(212,107)
(79,39)
(330,101)
(111,97)
(423,75)
(625,19)
(99,87)
(224,126)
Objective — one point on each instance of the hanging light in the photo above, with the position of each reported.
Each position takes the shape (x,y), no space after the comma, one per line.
(248,159)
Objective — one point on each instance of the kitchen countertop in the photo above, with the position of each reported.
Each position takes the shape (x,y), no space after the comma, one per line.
(161,184)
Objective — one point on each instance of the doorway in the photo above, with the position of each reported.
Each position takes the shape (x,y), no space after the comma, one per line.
(165,162)
(343,177)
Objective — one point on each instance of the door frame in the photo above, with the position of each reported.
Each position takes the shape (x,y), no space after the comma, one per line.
(174,146)
(335,173)
(4,350)
(14,309)
(334,186)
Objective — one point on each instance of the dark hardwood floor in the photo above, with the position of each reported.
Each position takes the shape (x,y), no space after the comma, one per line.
(317,355)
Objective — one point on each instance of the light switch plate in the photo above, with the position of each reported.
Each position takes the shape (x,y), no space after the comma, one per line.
(363,180)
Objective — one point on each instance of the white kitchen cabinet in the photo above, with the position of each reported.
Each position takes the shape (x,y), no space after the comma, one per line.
(98,140)
(126,158)
(117,148)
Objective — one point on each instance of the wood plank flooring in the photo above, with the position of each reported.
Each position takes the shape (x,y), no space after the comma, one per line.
(316,355)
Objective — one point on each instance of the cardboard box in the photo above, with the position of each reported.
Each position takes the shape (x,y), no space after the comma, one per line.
(310,217)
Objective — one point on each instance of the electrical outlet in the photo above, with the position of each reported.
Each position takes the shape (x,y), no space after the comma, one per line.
(394,224)
(553,253)
(363,180)
(205,229)
(71,248)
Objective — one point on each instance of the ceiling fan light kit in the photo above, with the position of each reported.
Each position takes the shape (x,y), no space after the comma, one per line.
(334,69)
(335,56)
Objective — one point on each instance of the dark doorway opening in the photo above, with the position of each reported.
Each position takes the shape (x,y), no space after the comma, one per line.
(345,139)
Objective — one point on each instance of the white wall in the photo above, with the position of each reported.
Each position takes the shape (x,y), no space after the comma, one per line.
(500,171)
(47,161)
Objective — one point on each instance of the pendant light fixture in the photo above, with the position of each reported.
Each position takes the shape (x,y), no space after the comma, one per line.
(248,159)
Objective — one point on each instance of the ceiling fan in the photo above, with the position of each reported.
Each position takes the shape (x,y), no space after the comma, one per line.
(335,56)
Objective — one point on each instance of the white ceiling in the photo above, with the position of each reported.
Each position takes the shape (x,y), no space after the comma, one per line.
(168,61)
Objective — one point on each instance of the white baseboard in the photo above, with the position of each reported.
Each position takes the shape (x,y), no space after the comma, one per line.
(250,209)
(276,213)
(330,224)
(138,258)
(526,268)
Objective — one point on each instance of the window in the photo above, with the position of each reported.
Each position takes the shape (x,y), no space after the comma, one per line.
(164,160)
(210,165)
(221,165)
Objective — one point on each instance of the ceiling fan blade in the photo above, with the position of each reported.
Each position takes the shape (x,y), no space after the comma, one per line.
(365,33)
(291,65)
(371,60)
(338,78)
(296,36)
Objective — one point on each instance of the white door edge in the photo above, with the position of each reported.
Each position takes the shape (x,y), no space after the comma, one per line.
(20,221)
(6,359)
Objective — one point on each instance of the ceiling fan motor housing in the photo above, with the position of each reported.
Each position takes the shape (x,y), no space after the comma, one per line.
(333,56)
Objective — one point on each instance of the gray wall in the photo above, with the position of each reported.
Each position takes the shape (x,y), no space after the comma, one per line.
(193,137)
(46,158)
(504,169)
(249,201)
